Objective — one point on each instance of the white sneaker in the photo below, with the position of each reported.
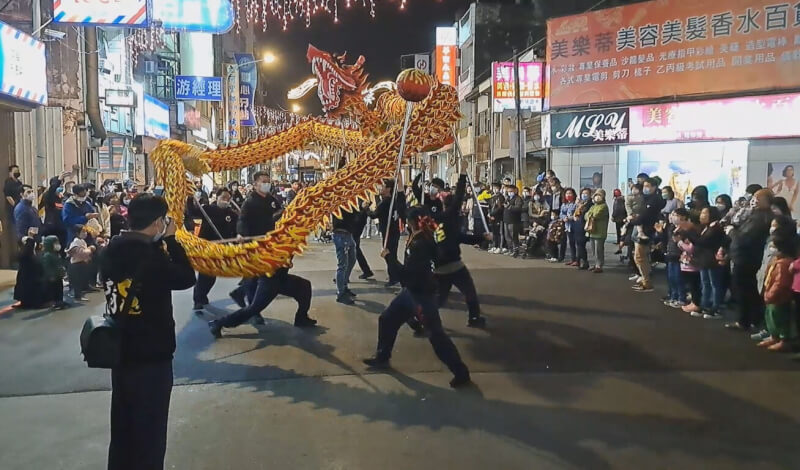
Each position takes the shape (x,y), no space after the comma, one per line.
(634,277)
(504,251)
(493,251)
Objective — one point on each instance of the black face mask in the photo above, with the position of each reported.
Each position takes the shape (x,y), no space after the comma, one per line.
(17,174)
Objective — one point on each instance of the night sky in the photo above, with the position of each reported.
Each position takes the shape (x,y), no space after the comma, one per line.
(381,41)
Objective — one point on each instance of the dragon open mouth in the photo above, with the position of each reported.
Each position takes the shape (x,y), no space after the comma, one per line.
(331,80)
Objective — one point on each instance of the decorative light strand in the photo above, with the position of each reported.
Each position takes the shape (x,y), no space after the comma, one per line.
(145,40)
(285,12)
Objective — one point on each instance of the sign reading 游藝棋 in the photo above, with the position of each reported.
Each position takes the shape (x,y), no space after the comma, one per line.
(672,48)
(22,67)
(190,87)
(595,127)
(101,12)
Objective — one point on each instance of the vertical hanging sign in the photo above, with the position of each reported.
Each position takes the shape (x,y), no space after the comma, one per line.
(248,80)
(232,104)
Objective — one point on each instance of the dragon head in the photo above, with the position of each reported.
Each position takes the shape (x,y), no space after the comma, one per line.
(335,78)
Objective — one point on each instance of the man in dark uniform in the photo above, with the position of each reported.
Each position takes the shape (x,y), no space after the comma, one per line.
(222,217)
(343,228)
(257,218)
(390,230)
(362,217)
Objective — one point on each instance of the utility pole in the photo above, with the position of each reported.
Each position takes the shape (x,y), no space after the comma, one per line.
(518,159)
(37,115)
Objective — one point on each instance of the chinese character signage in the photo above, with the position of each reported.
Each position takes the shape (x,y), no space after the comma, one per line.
(447,56)
(189,87)
(156,118)
(22,67)
(736,118)
(248,80)
(673,48)
(530,86)
(101,12)
(596,127)
(207,16)
(231,104)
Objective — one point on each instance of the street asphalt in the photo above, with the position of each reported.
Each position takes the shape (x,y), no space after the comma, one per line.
(575,371)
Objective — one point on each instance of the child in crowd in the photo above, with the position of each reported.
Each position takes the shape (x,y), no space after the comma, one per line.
(634,205)
(53,272)
(676,297)
(778,295)
(80,257)
(690,273)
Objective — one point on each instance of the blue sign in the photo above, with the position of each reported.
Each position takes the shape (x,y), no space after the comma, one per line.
(156,118)
(190,87)
(248,80)
(206,16)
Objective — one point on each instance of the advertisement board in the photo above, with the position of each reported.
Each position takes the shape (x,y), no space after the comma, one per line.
(22,66)
(734,118)
(128,13)
(206,16)
(156,118)
(530,86)
(447,55)
(190,87)
(248,81)
(232,128)
(422,62)
(672,48)
(594,127)
(120,98)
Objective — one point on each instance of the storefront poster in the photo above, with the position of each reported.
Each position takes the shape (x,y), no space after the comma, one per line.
(672,48)
(600,127)
(22,67)
(530,86)
(781,180)
(591,177)
(735,118)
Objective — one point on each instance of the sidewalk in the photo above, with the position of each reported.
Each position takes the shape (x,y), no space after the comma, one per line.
(8,278)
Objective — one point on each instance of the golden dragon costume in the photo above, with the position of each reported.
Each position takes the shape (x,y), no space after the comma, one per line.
(377,142)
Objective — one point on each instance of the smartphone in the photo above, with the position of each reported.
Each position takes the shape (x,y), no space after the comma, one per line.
(158,191)
(34,230)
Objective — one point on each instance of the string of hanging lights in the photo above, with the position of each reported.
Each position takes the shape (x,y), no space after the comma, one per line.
(285,12)
(145,40)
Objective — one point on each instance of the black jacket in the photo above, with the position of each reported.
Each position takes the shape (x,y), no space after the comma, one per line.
(433,205)
(512,213)
(448,236)
(382,213)
(347,222)
(148,330)
(224,219)
(258,215)
(706,243)
(747,242)
(52,213)
(653,203)
(619,213)
(416,272)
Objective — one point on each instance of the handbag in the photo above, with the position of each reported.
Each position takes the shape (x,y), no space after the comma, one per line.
(101,338)
(589,224)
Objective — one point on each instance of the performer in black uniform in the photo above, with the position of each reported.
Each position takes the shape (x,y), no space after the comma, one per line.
(258,216)
(224,217)
(390,230)
(418,298)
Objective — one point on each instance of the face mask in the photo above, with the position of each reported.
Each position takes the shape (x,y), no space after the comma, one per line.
(646,191)
(223,204)
(198,194)
(160,235)
(433,191)
(570,197)
(60,190)
(753,203)
(17,174)
(57,247)
(773,250)
(537,198)
(512,194)
(526,194)
(80,198)
(265,187)
(584,197)
(722,207)
(126,201)
(598,199)
(665,196)
(30,197)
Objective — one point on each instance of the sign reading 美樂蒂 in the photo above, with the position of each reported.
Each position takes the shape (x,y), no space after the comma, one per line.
(248,80)
(22,67)
(190,87)
(530,86)
(156,118)
(594,127)
(101,12)
(671,48)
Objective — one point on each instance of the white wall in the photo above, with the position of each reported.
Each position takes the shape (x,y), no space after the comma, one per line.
(567,163)
(762,152)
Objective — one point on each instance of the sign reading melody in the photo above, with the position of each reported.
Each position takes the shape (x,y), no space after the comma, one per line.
(672,48)
(22,67)
(192,87)
(530,86)
(603,127)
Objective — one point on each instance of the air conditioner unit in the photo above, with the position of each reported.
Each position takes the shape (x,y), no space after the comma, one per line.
(149,67)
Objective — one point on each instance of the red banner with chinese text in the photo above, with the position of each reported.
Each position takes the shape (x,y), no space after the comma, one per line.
(673,47)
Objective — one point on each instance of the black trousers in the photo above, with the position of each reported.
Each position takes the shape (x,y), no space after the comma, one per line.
(462,279)
(54,291)
(394,240)
(691,280)
(580,247)
(407,305)
(497,230)
(745,285)
(202,287)
(363,265)
(139,411)
(79,276)
(266,289)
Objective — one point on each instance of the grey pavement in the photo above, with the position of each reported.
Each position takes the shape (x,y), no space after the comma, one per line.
(574,371)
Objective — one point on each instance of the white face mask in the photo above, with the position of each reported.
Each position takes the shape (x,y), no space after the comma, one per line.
(433,191)
(773,250)
(537,198)
(526,194)
(57,247)
(722,207)
(264,187)
(160,235)
(126,201)
(80,198)
(30,196)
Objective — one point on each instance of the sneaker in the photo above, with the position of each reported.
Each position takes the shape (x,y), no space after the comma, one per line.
(697,314)
(712,316)
(81,298)
(642,288)
(504,251)
(634,278)
(552,260)
(492,250)
(365,276)
(350,293)
(667,301)
(304,322)
(345,299)
(238,297)
(391,284)
(377,363)
(460,381)
(477,322)
(760,336)
(215,329)
(676,304)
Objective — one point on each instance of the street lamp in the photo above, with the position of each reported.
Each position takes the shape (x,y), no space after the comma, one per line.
(296,108)
(269,57)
